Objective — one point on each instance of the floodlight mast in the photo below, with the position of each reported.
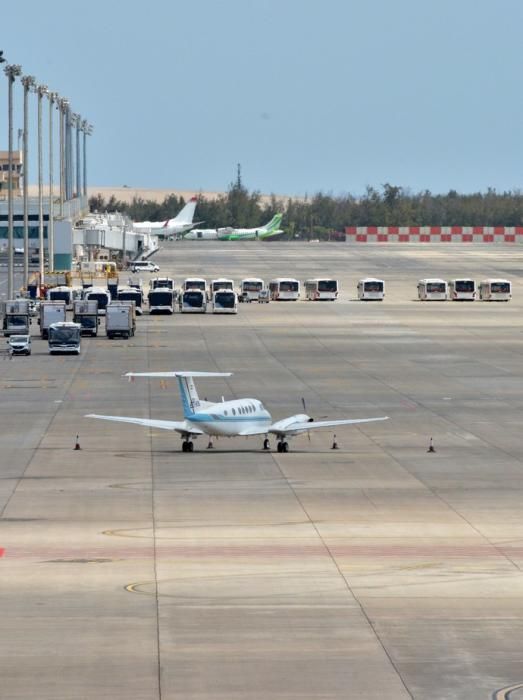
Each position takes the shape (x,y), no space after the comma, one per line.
(12,71)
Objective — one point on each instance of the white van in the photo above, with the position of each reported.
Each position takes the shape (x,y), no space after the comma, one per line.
(144,266)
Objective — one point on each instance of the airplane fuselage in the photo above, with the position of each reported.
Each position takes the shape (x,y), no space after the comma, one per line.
(230,418)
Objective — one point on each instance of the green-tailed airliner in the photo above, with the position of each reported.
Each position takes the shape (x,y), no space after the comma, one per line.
(247,234)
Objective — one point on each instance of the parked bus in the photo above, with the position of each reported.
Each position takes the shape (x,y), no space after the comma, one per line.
(194,283)
(224,301)
(251,287)
(193,301)
(432,290)
(284,289)
(64,337)
(132,294)
(220,283)
(495,290)
(462,289)
(102,296)
(371,289)
(321,289)
(61,293)
(161,301)
(165,282)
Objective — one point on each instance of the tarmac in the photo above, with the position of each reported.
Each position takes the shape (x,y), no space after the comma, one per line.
(131,570)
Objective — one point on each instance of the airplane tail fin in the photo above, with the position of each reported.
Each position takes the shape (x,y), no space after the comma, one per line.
(274,223)
(186,215)
(190,400)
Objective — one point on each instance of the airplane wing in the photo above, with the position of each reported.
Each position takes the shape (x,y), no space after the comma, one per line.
(180,426)
(287,427)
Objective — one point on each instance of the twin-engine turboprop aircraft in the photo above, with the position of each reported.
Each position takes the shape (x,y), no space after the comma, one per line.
(239,417)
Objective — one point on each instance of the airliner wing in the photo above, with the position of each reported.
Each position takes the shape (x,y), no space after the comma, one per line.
(180,426)
(286,427)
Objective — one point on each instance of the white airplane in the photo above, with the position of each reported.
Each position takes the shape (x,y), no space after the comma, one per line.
(239,417)
(182,222)
(228,233)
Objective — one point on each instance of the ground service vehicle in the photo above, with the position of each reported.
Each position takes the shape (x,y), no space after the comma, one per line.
(220,283)
(462,289)
(284,289)
(224,301)
(193,301)
(61,293)
(495,290)
(161,301)
(251,287)
(194,283)
(50,312)
(264,296)
(144,266)
(132,294)
(85,313)
(99,294)
(19,344)
(371,289)
(120,319)
(17,317)
(321,289)
(64,337)
(432,290)
(163,282)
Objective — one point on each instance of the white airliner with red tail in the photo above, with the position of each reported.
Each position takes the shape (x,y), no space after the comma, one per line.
(239,417)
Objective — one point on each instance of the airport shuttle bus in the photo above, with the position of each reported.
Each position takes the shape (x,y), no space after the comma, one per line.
(164,282)
(102,296)
(321,289)
(194,283)
(161,301)
(220,283)
(193,301)
(284,289)
(61,293)
(251,287)
(432,290)
(495,290)
(64,337)
(132,294)
(462,289)
(224,301)
(371,289)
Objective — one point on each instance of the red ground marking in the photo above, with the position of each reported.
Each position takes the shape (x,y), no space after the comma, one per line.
(2,552)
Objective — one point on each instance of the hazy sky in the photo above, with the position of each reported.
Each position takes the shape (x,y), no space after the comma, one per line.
(306,95)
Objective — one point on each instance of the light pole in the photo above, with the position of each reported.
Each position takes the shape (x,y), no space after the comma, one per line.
(53,98)
(77,123)
(12,71)
(62,106)
(88,130)
(28,82)
(40,90)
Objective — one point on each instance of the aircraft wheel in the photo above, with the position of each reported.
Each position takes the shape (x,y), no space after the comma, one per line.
(285,447)
(266,444)
(184,446)
(279,448)
(190,446)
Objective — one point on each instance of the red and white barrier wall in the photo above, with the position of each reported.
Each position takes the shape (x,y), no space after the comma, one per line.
(434,234)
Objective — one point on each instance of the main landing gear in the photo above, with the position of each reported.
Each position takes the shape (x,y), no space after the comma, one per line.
(266,444)
(187,446)
(283,446)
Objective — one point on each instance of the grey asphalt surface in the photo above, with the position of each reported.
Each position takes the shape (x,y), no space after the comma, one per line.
(132,570)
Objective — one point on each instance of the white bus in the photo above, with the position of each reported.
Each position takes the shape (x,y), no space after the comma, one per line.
(433,290)
(284,289)
(61,293)
(321,289)
(495,290)
(194,283)
(224,301)
(462,289)
(102,296)
(193,301)
(221,283)
(371,289)
(251,287)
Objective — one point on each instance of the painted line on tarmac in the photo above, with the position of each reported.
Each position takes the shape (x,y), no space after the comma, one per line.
(2,552)
(505,693)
